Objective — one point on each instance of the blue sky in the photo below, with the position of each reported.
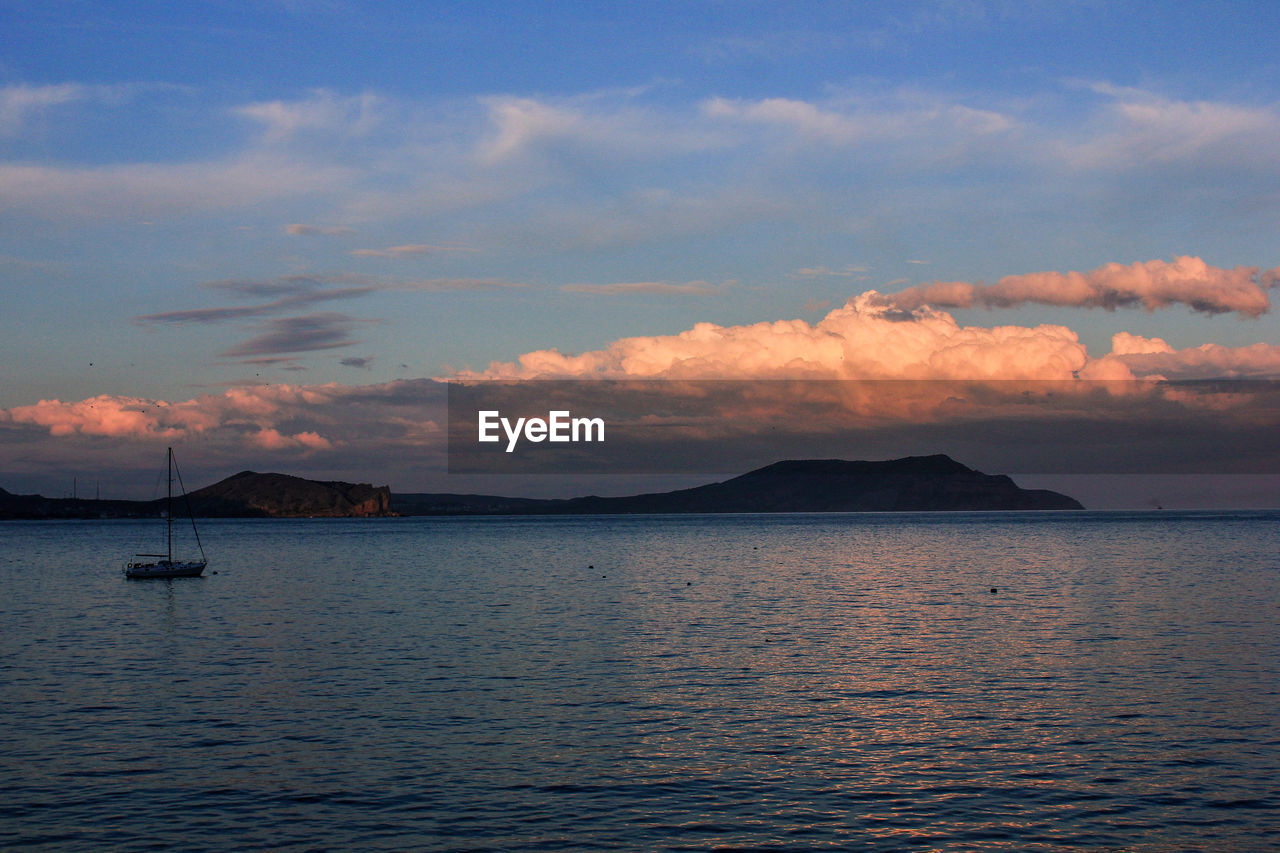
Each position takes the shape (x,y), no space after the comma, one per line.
(206,196)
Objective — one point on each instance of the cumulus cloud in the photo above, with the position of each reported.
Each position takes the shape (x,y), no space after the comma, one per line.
(136,417)
(1019,425)
(103,416)
(874,337)
(327,431)
(1134,356)
(1123,343)
(874,380)
(1151,284)
(298,416)
(864,339)
(272,439)
(320,431)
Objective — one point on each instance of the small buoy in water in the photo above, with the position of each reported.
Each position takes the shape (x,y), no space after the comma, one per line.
(688,583)
(215,573)
(590,567)
(993,590)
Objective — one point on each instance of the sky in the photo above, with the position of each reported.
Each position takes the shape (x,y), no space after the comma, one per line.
(261,230)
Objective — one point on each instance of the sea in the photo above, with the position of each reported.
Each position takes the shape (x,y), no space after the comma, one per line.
(919,682)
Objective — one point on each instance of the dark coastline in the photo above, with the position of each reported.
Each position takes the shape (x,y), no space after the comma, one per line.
(917,483)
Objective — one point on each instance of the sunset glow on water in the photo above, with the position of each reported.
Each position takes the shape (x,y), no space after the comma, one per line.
(786,682)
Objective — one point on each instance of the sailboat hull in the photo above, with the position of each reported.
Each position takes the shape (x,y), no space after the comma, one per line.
(165,569)
(169,567)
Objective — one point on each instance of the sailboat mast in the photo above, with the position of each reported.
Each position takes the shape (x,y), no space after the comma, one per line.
(169,505)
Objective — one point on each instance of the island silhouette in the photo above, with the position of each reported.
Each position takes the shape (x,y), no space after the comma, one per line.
(934,483)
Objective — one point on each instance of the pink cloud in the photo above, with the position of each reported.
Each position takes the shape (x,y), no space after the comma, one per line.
(1151,284)
(257,407)
(864,339)
(1133,356)
(103,415)
(273,439)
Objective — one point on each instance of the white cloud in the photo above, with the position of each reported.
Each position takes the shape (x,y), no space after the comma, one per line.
(802,117)
(906,116)
(1138,129)
(324,111)
(19,101)
(604,127)
(520,123)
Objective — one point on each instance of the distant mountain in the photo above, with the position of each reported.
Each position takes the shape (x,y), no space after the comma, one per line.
(250,494)
(913,484)
(244,495)
(916,483)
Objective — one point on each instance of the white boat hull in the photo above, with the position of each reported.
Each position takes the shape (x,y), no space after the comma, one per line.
(165,569)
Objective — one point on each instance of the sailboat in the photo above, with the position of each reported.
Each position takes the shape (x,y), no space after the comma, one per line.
(169,567)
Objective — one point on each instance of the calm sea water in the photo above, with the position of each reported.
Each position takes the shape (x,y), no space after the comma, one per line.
(648,683)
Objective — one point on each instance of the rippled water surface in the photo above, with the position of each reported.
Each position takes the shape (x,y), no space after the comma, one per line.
(1092,681)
